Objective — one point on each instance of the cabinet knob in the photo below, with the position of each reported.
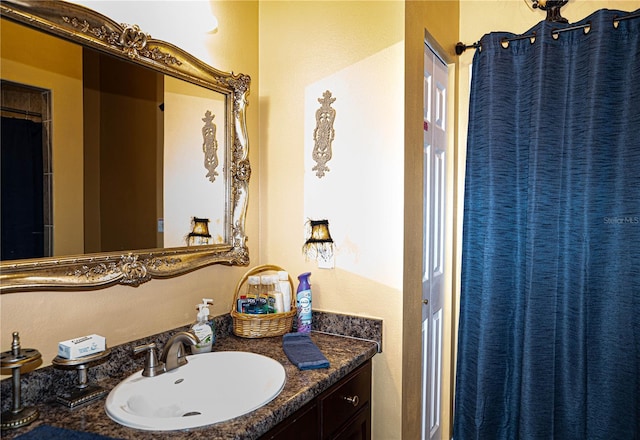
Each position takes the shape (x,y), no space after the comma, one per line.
(354,400)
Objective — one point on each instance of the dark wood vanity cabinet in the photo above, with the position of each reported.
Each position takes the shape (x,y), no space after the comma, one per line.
(343,412)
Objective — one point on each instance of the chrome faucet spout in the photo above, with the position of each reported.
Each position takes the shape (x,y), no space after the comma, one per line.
(173,354)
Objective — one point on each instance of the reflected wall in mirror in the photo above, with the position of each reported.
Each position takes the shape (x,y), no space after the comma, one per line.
(141,138)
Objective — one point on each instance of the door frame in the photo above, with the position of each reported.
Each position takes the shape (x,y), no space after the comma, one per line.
(413,239)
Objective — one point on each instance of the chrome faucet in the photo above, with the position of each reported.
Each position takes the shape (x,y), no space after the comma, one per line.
(173,354)
(151,365)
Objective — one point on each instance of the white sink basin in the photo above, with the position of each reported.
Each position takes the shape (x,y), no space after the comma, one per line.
(211,388)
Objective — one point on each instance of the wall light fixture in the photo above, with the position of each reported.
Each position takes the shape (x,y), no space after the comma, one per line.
(200,234)
(319,244)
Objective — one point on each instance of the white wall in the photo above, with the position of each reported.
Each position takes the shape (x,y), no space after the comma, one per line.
(187,191)
(359,195)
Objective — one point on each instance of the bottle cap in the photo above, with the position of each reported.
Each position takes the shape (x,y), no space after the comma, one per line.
(201,312)
(203,309)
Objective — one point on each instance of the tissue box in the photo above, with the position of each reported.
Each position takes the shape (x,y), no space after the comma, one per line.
(79,347)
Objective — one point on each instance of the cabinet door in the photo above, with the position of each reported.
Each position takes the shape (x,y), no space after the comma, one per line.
(359,428)
(341,403)
(341,412)
(303,424)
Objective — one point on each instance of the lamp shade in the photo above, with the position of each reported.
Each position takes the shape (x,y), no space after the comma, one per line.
(319,244)
(200,234)
(319,232)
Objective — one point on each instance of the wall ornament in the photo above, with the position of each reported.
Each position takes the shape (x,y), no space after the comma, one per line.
(210,145)
(323,134)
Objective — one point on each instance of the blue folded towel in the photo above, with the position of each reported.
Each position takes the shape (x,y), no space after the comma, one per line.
(302,352)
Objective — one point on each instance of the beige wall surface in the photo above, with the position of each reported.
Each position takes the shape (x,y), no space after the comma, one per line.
(122,313)
(307,47)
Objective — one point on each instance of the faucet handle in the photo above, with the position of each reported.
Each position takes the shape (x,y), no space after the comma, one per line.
(152,367)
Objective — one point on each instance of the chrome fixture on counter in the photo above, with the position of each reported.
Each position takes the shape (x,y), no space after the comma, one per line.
(15,359)
(173,354)
(83,392)
(152,367)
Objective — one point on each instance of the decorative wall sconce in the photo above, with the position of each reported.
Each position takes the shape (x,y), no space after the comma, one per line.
(319,244)
(210,145)
(200,234)
(323,134)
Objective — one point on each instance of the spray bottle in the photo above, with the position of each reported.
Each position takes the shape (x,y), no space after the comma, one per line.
(303,303)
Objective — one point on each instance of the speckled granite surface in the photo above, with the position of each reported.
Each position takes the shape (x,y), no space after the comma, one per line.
(362,341)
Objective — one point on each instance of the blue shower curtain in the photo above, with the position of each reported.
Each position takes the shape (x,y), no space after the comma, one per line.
(549,329)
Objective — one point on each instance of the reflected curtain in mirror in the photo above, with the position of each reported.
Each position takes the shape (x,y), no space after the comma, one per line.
(22,174)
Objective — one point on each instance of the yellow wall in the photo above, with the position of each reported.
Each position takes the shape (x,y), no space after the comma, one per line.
(124,313)
(310,44)
(53,64)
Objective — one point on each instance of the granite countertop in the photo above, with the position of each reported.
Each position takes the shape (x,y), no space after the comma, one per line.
(344,353)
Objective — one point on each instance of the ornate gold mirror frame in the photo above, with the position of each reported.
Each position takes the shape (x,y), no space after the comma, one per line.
(89,28)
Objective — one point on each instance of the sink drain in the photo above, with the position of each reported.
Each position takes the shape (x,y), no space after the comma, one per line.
(192,413)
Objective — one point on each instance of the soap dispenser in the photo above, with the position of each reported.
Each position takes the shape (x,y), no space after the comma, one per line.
(204,328)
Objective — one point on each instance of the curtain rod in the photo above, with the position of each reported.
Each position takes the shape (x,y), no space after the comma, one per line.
(461,47)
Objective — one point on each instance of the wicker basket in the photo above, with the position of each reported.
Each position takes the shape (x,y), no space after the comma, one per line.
(261,326)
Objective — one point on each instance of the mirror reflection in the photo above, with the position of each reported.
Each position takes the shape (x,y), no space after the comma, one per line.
(141,149)
(138,144)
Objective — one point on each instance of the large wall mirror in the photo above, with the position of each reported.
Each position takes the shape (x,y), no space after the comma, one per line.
(124,158)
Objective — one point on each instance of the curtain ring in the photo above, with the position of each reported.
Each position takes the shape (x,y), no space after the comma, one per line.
(504,42)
